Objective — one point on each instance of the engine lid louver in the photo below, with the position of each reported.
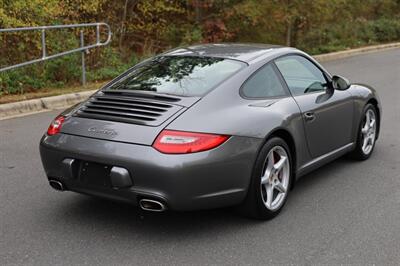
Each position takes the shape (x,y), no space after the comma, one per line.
(127,109)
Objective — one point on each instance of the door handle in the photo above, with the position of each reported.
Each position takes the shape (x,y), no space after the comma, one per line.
(309,116)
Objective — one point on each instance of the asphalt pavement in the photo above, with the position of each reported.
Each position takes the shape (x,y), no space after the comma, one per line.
(344,213)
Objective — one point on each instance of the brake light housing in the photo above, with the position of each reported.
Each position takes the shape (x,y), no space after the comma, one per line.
(182,142)
(55,125)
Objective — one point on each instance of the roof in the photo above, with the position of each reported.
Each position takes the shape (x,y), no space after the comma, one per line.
(237,51)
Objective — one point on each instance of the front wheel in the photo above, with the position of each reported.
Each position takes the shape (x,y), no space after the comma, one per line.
(271,180)
(367,133)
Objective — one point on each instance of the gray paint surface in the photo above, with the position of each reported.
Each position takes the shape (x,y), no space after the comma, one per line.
(346,212)
(206,180)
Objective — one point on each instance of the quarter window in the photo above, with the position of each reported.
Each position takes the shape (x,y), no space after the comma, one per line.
(263,84)
(301,75)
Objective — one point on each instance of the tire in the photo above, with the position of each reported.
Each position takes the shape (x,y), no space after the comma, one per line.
(360,152)
(267,180)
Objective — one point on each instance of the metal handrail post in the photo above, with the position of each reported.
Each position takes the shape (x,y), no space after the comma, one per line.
(83,60)
(44,52)
(97,34)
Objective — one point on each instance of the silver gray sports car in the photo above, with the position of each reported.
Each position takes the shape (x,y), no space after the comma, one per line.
(209,126)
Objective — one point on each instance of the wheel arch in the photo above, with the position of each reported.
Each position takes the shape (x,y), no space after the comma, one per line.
(286,136)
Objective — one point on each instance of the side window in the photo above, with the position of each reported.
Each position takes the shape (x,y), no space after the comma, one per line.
(263,84)
(301,75)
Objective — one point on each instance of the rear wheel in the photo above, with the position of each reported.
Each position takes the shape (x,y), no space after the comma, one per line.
(366,134)
(270,182)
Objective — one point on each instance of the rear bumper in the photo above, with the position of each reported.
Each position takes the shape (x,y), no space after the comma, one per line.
(211,179)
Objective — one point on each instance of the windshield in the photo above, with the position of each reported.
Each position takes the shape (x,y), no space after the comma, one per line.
(178,75)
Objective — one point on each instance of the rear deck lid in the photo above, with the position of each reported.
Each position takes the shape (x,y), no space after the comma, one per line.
(125,116)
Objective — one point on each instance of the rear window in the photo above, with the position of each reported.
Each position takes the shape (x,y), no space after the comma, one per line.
(177,75)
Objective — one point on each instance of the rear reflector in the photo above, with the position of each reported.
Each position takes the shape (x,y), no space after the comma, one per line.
(55,126)
(179,142)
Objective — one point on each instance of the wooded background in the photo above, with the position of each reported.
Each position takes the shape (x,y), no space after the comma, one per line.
(144,27)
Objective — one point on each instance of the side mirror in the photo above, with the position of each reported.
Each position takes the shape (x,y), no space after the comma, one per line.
(340,83)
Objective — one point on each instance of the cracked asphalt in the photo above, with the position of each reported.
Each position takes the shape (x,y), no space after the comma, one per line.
(344,213)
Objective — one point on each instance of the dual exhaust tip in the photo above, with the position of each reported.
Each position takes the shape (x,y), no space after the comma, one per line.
(152,205)
(57,185)
(144,204)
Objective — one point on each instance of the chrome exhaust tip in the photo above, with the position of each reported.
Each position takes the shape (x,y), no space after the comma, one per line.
(57,185)
(152,205)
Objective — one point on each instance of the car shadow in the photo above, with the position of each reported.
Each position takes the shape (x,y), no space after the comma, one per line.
(320,175)
(127,219)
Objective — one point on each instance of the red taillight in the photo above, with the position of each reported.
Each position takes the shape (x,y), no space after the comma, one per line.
(178,142)
(55,126)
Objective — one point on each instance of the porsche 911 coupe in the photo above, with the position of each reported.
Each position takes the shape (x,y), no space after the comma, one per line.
(210,126)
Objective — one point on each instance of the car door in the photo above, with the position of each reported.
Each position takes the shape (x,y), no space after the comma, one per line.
(327,113)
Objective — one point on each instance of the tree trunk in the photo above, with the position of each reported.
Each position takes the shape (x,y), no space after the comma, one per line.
(289,33)
(295,32)
(122,28)
(197,11)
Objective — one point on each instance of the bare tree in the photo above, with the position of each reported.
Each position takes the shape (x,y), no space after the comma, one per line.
(122,28)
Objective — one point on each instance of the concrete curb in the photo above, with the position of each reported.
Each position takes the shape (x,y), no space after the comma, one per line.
(22,108)
(353,52)
(10,110)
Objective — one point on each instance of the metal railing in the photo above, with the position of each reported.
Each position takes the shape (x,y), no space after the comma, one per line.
(82,47)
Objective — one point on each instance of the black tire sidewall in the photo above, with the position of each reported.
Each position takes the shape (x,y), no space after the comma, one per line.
(359,153)
(259,208)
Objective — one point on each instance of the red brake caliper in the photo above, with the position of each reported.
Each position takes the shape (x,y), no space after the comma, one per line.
(277,157)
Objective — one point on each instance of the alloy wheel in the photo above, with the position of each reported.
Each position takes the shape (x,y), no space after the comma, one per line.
(275,179)
(368,132)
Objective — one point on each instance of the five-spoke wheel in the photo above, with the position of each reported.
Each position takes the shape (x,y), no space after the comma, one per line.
(271,179)
(367,133)
(275,178)
(272,174)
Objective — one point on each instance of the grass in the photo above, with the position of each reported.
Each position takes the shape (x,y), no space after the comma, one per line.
(53,91)
(8,98)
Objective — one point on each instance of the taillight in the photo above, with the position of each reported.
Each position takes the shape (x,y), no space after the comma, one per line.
(55,126)
(178,142)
